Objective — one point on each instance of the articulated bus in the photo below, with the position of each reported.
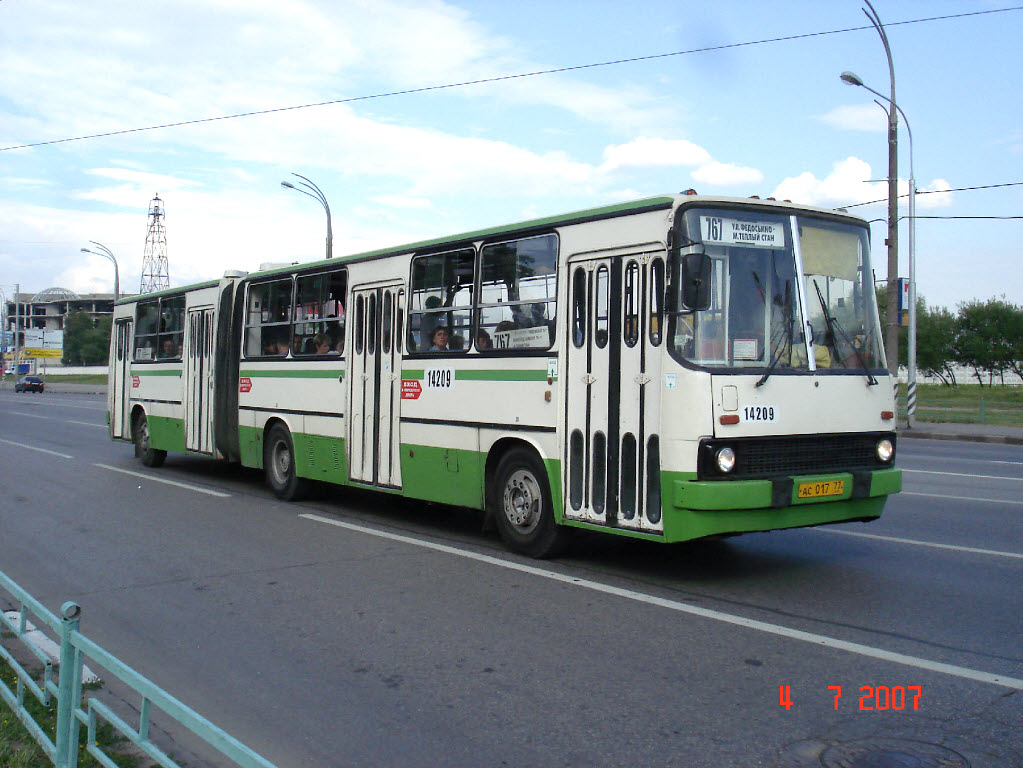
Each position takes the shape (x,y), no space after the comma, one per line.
(674,368)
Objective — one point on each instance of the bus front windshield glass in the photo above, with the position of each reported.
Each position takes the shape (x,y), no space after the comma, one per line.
(761,314)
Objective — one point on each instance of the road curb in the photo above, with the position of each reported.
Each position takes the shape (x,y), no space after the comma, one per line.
(972,438)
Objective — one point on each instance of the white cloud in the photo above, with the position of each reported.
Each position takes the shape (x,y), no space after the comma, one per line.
(717,174)
(939,195)
(644,152)
(856,117)
(846,184)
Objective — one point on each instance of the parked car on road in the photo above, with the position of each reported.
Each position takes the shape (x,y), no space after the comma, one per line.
(29,384)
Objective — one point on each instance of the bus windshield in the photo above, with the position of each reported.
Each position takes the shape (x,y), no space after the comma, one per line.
(767,313)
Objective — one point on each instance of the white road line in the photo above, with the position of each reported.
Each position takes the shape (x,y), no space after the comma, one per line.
(959,498)
(51,418)
(175,483)
(675,605)
(958,474)
(953,547)
(35,448)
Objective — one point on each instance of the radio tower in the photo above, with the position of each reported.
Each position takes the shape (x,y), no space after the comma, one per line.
(155,270)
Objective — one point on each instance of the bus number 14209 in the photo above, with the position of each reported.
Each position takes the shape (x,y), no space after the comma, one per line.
(758,413)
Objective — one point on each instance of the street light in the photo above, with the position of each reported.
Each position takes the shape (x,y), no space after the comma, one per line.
(306,187)
(852,79)
(105,252)
(891,315)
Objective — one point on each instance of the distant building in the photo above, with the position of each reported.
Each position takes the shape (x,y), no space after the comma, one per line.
(30,313)
(46,310)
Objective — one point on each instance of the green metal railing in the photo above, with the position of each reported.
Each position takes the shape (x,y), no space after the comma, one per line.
(971,411)
(66,691)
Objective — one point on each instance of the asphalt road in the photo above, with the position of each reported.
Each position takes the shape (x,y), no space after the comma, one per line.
(365,630)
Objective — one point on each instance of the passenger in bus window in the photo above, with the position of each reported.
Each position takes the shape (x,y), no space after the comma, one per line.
(274,343)
(169,348)
(429,322)
(482,340)
(322,344)
(439,338)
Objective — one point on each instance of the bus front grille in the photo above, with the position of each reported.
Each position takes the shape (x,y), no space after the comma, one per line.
(760,457)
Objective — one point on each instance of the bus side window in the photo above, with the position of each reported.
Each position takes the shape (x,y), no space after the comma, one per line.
(518,292)
(630,329)
(268,318)
(579,307)
(656,300)
(441,297)
(360,324)
(601,301)
(147,326)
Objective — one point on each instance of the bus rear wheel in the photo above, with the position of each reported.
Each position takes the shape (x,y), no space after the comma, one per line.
(279,463)
(521,503)
(146,453)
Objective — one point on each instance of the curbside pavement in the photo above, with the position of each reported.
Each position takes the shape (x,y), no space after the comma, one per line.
(977,433)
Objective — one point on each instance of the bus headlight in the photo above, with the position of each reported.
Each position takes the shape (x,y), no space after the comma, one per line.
(885,450)
(725,459)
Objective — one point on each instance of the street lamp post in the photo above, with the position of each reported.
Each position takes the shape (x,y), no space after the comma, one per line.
(306,187)
(852,79)
(892,311)
(105,252)
(3,336)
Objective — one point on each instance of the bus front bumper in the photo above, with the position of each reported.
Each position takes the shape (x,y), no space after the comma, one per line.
(778,492)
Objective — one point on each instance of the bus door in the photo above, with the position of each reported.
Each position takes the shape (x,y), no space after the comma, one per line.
(374,398)
(612,462)
(198,354)
(119,407)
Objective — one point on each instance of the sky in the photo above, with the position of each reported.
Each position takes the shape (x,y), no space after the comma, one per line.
(728,115)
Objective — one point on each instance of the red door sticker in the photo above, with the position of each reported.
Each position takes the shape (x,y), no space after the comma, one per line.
(134,382)
(244,384)
(411,389)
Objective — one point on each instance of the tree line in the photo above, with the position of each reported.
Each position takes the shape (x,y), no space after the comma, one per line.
(85,342)
(983,336)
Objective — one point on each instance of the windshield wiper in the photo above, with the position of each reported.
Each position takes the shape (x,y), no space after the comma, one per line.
(785,345)
(833,326)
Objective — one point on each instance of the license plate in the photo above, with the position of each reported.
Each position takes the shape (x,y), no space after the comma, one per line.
(821,488)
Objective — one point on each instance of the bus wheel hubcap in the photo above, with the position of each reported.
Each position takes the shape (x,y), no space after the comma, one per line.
(522,500)
(282,460)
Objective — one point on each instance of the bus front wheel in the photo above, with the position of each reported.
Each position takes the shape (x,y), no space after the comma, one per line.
(279,463)
(146,453)
(521,504)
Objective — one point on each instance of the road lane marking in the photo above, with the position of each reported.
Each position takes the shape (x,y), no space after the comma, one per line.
(953,547)
(959,474)
(675,605)
(48,403)
(31,415)
(959,498)
(87,424)
(36,448)
(186,486)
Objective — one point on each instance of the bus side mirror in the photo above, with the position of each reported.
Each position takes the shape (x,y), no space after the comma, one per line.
(695,282)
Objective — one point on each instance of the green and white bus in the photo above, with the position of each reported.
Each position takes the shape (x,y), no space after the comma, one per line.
(672,368)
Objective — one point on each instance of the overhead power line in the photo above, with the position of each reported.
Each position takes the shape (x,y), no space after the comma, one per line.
(497,79)
(937,192)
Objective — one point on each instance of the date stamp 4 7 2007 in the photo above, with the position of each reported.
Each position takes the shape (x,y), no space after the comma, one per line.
(873,698)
